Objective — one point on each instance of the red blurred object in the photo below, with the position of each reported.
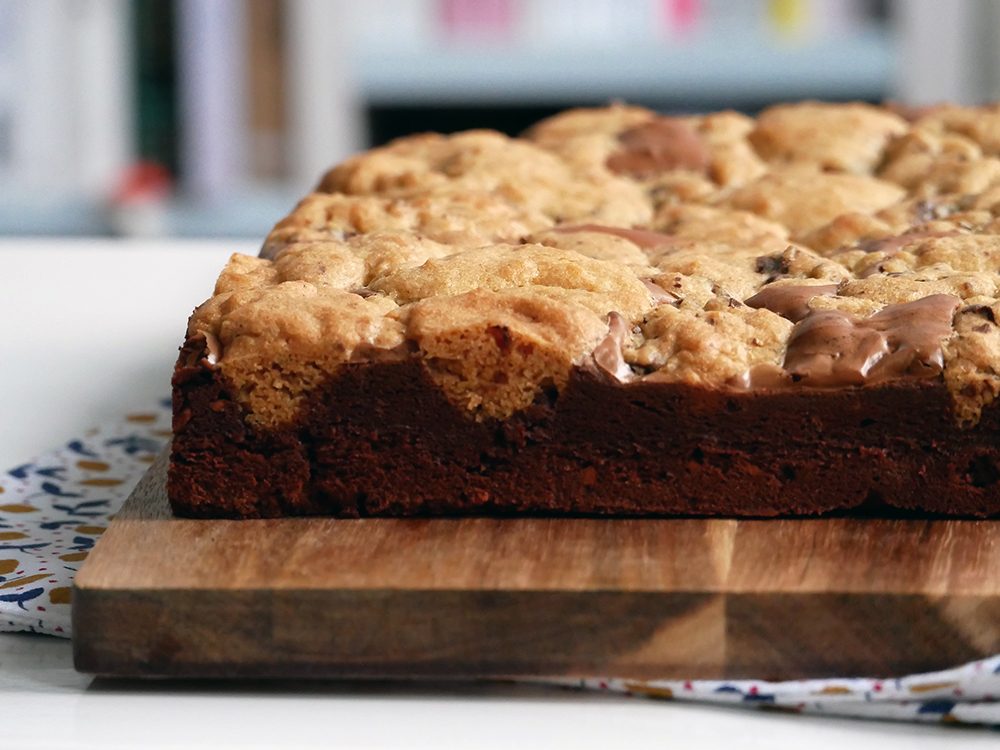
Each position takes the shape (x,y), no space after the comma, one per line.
(682,14)
(143,182)
(477,17)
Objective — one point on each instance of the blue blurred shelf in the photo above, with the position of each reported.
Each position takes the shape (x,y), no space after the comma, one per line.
(735,65)
(250,213)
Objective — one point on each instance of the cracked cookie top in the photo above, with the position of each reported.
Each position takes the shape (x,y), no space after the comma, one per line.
(818,245)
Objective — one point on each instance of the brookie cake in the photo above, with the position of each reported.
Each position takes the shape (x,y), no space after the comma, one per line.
(618,313)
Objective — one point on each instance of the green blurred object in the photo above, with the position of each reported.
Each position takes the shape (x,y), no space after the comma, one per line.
(156,83)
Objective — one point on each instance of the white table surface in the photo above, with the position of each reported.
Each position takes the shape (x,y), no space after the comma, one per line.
(88,330)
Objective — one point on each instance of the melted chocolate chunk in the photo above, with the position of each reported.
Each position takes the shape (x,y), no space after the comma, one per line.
(892,245)
(607,354)
(829,348)
(660,145)
(762,376)
(790,301)
(660,295)
(645,239)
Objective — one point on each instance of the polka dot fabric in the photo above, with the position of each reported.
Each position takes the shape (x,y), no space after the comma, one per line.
(54,509)
(969,694)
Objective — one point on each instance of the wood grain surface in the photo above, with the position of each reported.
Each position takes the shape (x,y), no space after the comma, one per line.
(697,598)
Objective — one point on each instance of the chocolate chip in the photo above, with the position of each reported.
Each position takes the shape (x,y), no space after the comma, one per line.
(657,146)
(660,295)
(774,266)
(791,302)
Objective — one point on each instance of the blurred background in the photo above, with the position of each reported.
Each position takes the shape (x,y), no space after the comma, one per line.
(210,117)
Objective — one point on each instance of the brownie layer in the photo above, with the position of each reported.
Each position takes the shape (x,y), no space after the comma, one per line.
(381,439)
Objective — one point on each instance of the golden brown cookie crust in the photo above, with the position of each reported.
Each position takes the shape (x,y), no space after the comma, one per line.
(503,263)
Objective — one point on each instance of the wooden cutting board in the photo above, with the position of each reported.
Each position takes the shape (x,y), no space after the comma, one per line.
(671,598)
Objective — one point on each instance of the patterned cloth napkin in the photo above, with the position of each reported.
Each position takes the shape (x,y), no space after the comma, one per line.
(53,510)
